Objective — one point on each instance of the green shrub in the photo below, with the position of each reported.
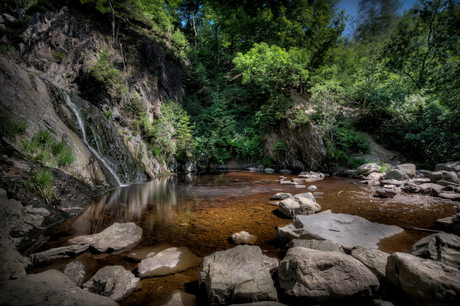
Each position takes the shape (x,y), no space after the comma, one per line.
(41,182)
(354,162)
(12,128)
(267,162)
(7,49)
(104,72)
(65,157)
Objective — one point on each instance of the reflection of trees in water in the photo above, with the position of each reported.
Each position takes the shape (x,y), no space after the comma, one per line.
(126,204)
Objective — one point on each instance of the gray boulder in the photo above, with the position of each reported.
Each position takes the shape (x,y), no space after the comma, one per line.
(281,196)
(375,176)
(168,261)
(422,180)
(450,224)
(48,288)
(12,264)
(431,189)
(315,244)
(56,254)
(145,252)
(396,174)
(285,171)
(450,195)
(77,272)
(264,303)
(440,247)
(447,176)
(425,281)
(375,260)
(422,174)
(387,192)
(367,169)
(117,237)
(237,275)
(243,238)
(176,298)
(408,169)
(271,263)
(319,277)
(269,170)
(307,195)
(299,206)
(381,303)
(391,182)
(113,281)
(347,230)
(449,166)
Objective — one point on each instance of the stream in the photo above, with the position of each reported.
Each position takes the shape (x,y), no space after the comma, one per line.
(202,211)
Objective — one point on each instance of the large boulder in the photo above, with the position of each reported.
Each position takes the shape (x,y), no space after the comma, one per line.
(269,170)
(450,224)
(168,261)
(176,298)
(77,272)
(58,253)
(408,169)
(298,205)
(387,192)
(48,288)
(425,281)
(347,230)
(449,166)
(375,260)
(237,275)
(431,189)
(446,176)
(367,169)
(315,244)
(113,281)
(440,247)
(319,277)
(117,237)
(281,196)
(12,264)
(396,174)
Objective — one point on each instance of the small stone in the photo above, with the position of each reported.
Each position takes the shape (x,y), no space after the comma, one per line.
(243,238)
(281,196)
(312,188)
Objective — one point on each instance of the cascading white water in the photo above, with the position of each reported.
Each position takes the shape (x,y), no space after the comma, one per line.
(74,108)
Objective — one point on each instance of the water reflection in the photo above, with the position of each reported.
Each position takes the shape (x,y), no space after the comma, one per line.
(126,204)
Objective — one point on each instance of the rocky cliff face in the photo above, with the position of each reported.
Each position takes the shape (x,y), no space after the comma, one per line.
(53,81)
(304,147)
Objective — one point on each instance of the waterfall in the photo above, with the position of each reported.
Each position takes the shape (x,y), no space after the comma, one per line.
(81,124)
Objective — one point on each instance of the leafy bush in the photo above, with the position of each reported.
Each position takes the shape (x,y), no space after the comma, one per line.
(354,162)
(105,72)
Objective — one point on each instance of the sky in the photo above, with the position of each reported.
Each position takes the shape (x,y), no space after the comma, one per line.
(351,8)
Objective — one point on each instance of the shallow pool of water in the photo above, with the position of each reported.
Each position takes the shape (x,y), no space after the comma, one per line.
(202,211)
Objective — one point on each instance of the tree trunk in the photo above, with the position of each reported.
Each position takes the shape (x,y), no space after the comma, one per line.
(113,22)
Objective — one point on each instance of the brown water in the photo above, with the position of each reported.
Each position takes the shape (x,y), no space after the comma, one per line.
(201,212)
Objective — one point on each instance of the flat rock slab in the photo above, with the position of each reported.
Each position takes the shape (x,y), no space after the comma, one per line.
(320,245)
(48,288)
(117,237)
(139,254)
(318,277)
(113,281)
(347,230)
(425,281)
(450,224)
(56,254)
(167,262)
(449,166)
(237,275)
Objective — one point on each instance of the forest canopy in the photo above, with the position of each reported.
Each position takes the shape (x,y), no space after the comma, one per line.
(399,68)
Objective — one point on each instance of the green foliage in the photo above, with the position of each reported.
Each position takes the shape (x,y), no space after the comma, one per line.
(41,182)
(11,128)
(171,135)
(108,114)
(355,162)
(272,67)
(105,72)
(7,50)
(385,168)
(44,147)
(58,55)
